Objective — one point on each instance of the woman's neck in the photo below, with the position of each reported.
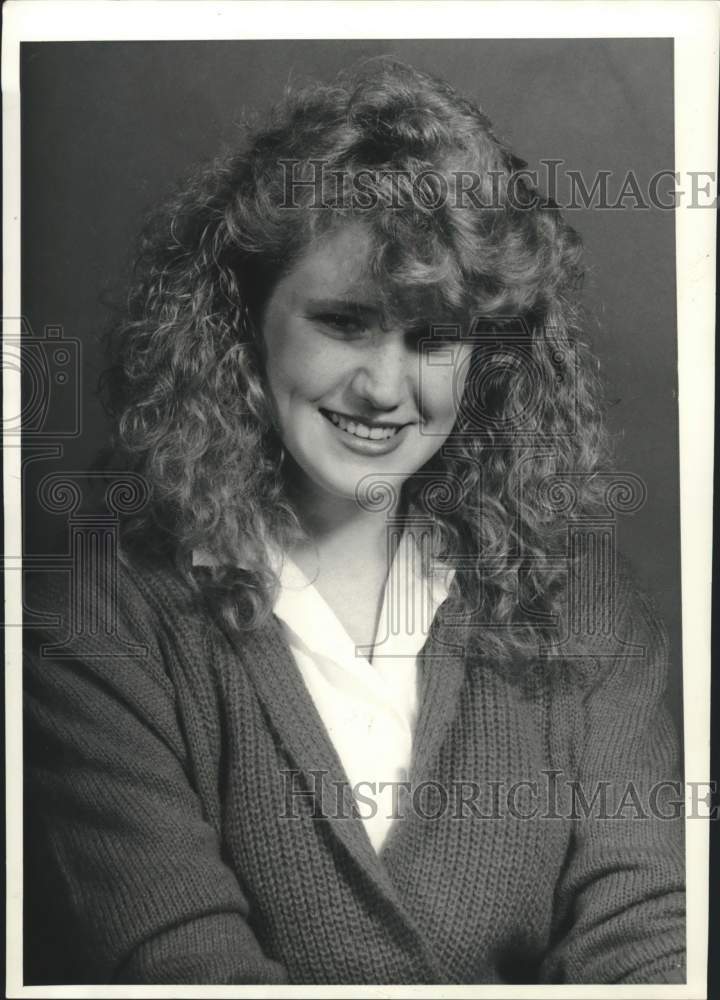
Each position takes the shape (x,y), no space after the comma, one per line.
(340,532)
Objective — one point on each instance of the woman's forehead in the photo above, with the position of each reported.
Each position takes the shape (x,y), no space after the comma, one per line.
(340,256)
(345,264)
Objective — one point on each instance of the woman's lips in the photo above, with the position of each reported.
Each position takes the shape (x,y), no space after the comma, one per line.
(366,438)
(375,430)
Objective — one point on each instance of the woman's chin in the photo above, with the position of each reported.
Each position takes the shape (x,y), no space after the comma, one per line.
(355,469)
(357,481)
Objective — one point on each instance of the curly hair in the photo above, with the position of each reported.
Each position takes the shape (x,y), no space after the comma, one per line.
(456,227)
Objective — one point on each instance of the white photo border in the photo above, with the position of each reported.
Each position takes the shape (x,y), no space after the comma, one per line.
(695,28)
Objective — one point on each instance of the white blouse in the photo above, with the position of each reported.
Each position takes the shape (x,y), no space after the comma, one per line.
(368,704)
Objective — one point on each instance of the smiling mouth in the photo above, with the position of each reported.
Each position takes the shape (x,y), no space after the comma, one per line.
(357,428)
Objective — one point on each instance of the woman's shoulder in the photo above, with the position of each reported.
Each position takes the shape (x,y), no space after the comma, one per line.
(606,629)
(130,620)
(106,613)
(614,637)
(97,587)
(631,616)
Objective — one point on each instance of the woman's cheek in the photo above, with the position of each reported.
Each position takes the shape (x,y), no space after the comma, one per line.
(296,364)
(320,365)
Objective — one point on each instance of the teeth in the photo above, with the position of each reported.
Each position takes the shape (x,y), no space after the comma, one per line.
(362,430)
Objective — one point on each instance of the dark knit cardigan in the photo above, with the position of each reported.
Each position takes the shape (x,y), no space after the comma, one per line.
(161,845)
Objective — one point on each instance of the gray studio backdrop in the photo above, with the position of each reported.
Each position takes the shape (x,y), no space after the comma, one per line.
(108,126)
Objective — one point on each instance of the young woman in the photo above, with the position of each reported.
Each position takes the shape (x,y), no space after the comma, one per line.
(347,711)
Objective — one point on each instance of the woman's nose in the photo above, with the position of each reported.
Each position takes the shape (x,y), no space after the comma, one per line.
(384,377)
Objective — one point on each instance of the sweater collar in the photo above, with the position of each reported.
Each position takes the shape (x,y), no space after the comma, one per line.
(441,666)
(271,666)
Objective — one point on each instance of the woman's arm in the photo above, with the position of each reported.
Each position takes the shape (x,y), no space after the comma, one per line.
(620,904)
(140,890)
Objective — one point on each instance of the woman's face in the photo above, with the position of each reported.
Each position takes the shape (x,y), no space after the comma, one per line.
(353,392)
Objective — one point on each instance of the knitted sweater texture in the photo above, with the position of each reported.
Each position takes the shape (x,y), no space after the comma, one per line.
(188,819)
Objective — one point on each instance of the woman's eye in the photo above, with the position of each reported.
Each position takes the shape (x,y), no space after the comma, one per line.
(342,322)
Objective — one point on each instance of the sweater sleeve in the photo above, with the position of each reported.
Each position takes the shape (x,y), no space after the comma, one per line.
(620,902)
(127,867)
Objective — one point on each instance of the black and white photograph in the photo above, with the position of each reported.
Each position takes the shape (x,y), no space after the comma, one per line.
(358,371)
